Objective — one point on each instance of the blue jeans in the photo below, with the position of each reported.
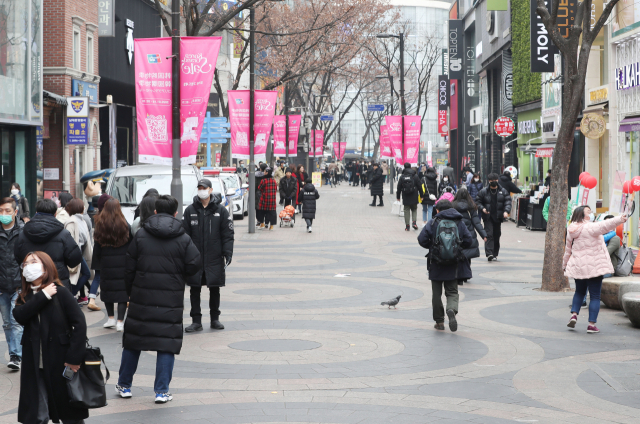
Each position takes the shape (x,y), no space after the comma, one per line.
(164,369)
(594,285)
(12,330)
(427,211)
(95,284)
(85,274)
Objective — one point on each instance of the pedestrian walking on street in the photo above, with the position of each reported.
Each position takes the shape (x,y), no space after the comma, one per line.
(22,203)
(288,189)
(448,172)
(10,279)
(377,185)
(112,239)
(465,205)
(147,209)
(309,197)
(55,337)
(410,188)
(159,260)
(268,189)
(385,170)
(45,233)
(279,174)
(446,236)
(430,185)
(301,176)
(79,275)
(260,175)
(506,182)
(446,182)
(152,192)
(586,259)
(356,172)
(210,226)
(475,186)
(495,203)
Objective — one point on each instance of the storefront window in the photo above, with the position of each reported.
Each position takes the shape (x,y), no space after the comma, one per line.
(633,141)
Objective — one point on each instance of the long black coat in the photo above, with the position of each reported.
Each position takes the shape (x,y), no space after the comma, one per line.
(439,272)
(409,199)
(10,276)
(377,182)
(472,221)
(259,177)
(45,233)
(110,261)
(309,195)
(301,182)
(430,181)
(211,230)
(483,201)
(59,344)
(506,182)
(288,187)
(159,260)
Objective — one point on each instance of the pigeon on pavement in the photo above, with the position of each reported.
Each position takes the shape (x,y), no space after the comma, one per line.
(392,302)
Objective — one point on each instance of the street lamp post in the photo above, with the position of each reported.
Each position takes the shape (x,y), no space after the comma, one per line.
(286,119)
(176,181)
(252,171)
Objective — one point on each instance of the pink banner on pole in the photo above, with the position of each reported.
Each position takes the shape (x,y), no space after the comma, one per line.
(294,133)
(264,110)
(339,148)
(385,146)
(279,135)
(317,143)
(153,99)
(198,57)
(394,130)
(412,139)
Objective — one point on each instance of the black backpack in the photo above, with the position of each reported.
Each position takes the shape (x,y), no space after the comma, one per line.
(446,249)
(407,184)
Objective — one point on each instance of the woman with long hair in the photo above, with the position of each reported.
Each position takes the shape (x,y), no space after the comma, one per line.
(55,333)
(112,237)
(268,189)
(22,202)
(586,259)
(301,176)
(475,186)
(77,227)
(146,208)
(464,204)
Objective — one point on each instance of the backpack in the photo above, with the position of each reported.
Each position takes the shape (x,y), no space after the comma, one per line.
(446,248)
(407,184)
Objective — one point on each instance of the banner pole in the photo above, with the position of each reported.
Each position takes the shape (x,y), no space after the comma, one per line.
(176,181)
(252,165)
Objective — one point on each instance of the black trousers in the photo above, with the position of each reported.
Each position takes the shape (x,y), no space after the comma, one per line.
(287,202)
(270,218)
(260,215)
(356,180)
(494,231)
(214,303)
(374,199)
(309,221)
(122,309)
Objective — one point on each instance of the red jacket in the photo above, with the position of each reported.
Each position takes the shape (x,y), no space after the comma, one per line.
(268,189)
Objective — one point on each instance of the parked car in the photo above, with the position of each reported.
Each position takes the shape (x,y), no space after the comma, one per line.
(236,190)
(220,188)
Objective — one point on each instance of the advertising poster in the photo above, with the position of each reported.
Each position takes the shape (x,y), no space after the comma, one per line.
(316,179)
(412,139)
(294,133)
(385,145)
(394,130)
(339,148)
(77,120)
(264,111)
(316,140)
(279,135)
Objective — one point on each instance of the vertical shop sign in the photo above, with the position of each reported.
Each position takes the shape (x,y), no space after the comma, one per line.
(542,48)
(443,92)
(105,18)
(77,120)
(456,33)
(507,83)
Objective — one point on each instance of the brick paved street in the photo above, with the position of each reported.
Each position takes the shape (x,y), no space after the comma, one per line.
(304,346)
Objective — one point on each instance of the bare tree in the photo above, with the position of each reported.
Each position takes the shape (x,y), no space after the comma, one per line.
(575,49)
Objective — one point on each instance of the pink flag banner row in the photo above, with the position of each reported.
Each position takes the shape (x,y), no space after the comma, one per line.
(385,146)
(264,111)
(412,139)
(316,141)
(394,131)
(279,135)
(153,85)
(339,148)
(411,125)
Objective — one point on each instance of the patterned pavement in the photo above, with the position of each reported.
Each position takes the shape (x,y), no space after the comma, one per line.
(303,345)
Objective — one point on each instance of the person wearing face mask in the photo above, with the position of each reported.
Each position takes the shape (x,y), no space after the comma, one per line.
(446,182)
(268,189)
(495,203)
(474,187)
(55,336)
(210,227)
(586,259)
(21,203)
(10,279)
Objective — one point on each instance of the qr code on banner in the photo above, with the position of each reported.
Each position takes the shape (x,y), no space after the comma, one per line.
(241,139)
(157,128)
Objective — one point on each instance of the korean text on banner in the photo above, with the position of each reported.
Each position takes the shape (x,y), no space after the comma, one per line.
(411,139)
(339,148)
(153,99)
(198,57)
(385,146)
(279,135)
(294,132)
(394,130)
(264,110)
(318,144)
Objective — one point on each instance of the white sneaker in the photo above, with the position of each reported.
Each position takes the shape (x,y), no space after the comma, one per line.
(111,322)
(120,326)
(310,229)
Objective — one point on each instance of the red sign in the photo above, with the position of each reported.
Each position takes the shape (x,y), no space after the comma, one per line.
(217,158)
(443,129)
(544,152)
(504,126)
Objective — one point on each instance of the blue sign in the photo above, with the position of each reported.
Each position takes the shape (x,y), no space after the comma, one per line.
(375,108)
(219,135)
(216,119)
(77,130)
(218,125)
(326,117)
(85,89)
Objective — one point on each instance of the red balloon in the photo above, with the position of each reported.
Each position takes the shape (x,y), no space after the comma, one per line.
(591,182)
(627,188)
(635,183)
(583,176)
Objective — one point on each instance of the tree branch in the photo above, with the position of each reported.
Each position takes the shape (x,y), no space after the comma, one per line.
(165,22)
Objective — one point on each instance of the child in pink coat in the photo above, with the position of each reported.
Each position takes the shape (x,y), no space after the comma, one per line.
(447,195)
(586,259)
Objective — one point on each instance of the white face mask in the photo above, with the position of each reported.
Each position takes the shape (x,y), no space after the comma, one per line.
(445,179)
(203,194)
(32,272)
(476,179)
(591,217)
(15,191)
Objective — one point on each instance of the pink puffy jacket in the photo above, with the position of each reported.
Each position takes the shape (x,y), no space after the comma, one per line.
(586,255)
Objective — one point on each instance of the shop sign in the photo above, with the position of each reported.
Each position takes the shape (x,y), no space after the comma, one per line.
(445,62)
(504,126)
(544,152)
(443,92)
(592,125)
(528,127)
(456,31)
(628,76)
(443,129)
(51,174)
(507,83)
(542,48)
(598,95)
(83,88)
(105,18)
(77,120)
(549,127)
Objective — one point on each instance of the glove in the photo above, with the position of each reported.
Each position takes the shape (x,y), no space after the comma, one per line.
(228,260)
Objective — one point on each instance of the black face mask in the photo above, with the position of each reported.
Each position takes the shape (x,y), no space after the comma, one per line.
(493,184)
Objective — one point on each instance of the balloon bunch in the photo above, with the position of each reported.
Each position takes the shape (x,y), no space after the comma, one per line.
(588,181)
(631,186)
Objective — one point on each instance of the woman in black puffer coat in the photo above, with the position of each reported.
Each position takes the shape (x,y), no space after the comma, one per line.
(430,183)
(376,183)
(309,195)
(464,204)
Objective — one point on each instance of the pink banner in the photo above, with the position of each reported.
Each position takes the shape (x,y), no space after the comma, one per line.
(198,57)
(412,139)
(294,133)
(339,148)
(394,130)
(385,146)
(265,106)
(279,135)
(316,139)
(153,99)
